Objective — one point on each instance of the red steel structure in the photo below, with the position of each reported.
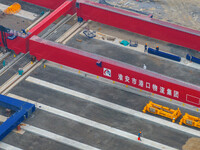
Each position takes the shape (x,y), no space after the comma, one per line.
(50,4)
(139,24)
(19,45)
(113,70)
(61,10)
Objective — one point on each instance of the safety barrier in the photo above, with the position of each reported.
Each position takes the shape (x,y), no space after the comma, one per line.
(190,120)
(164,54)
(13,9)
(193,59)
(162,111)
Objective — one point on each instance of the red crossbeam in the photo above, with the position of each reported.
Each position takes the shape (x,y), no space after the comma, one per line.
(115,70)
(50,4)
(62,9)
(139,24)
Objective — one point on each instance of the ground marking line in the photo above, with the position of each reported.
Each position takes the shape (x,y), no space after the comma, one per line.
(22,13)
(96,125)
(58,138)
(114,106)
(8,147)
(122,86)
(53,136)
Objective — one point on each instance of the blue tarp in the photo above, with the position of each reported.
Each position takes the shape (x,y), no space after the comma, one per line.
(125,43)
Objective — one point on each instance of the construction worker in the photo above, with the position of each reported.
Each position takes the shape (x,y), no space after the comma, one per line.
(139,136)
(4,63)
(157,48)
(144,67)
(145,47)
(33,58)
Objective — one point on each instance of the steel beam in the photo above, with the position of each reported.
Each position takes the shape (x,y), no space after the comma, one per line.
(62,9)
(23,111)
(115,70)
(19,45)
(50,4)
(139,24)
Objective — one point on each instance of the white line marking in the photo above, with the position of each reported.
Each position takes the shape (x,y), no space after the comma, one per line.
(15,79)
(53,136)
(8,147)
(118,85)
(24,14)
(58,138)
(94,124)
(114,106)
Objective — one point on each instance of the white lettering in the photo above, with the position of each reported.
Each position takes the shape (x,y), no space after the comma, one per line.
(120,77)
(148,85)
(134,81)
(141,83)
(127,79)
(155,87)
(169,92)
(176,94)
(162,90)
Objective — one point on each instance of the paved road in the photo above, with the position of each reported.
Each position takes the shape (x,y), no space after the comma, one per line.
(159,65)
(86,134)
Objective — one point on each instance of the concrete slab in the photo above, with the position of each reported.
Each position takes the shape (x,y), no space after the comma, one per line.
(58,138)
(80,132)
(135,58)
(109,117)
(31,141)
(22,13)
(95,112)
(168,47)
(14,69)
(8,147)
(14,22)
(113,106)
(26,6)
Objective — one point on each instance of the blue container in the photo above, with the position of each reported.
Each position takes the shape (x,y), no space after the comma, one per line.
(193,59)
(80,19)
(164,54)
(188,57)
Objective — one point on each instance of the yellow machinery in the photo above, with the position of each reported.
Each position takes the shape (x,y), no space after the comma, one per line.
(190,120)
(162,111)
(13,9)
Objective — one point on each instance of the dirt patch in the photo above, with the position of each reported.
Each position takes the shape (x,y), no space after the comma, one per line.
(192,144)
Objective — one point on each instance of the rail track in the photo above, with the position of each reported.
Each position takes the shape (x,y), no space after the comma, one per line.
(29,67)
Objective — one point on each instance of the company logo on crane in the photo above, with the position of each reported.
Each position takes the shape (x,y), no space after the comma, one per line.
(107,72)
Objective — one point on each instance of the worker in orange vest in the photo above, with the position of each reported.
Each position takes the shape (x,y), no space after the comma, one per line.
(157,48)
(139,136)
(145,47)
